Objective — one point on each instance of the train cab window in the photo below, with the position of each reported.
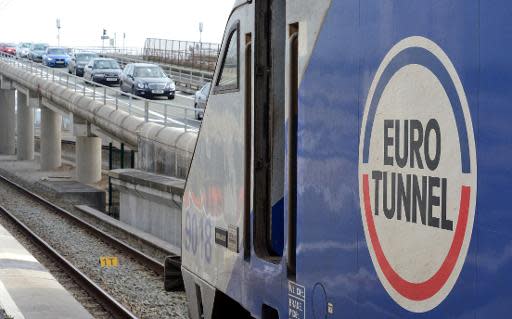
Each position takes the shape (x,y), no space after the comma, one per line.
(228,79)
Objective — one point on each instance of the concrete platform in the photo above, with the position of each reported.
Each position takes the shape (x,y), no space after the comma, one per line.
(60,183)
(76,192)
(28,290)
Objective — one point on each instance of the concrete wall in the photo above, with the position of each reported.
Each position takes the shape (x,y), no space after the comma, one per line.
(152,214)
(151,203)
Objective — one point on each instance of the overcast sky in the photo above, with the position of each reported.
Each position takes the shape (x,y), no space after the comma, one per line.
(83,21)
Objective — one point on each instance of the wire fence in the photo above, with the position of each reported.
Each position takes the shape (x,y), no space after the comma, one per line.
(196,55)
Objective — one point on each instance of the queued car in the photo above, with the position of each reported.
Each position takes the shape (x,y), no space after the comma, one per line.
(9,48)
(147,80)
(78,62)
(200,100)
(103,70)
(56,57)
(37,50)
(23,49)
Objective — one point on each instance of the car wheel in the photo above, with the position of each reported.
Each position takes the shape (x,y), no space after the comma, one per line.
(197,112)
(171,97)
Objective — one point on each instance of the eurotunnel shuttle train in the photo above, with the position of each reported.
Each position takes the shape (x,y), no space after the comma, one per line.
(354,162)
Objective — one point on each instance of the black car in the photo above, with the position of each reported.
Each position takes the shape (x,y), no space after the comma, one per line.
(102,70)
(147,80)
(78,62)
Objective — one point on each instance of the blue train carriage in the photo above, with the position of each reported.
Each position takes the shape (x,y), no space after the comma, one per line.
(337,167)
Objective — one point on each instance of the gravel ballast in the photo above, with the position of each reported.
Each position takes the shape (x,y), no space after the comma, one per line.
(132,284)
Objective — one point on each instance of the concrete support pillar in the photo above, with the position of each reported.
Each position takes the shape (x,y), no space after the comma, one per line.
(88,159)
(7,122)
(51,123)
(25,129)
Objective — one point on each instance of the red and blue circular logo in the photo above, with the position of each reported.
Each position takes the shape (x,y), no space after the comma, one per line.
(417,174)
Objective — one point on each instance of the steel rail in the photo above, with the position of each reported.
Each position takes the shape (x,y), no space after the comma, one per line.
(144,259)
(108,302)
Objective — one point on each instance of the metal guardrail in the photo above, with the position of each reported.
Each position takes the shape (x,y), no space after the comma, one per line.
(165,113)
(187,79)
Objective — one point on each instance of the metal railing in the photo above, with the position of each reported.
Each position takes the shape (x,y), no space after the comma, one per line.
(184,78)
(187,78)
(165,113)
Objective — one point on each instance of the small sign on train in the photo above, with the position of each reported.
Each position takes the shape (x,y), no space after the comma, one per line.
(108,262)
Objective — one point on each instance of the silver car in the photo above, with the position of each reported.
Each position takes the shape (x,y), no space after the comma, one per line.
(103,70)
(200,100)
(37,50)
(78,62)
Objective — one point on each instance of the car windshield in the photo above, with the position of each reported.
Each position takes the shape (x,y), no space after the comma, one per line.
(57,51)
(40,47)
(206,88)
(148,72)
(106,64)
(25,45)
(11,45)
(85,57)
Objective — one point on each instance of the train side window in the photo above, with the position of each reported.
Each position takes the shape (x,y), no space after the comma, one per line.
(229,76)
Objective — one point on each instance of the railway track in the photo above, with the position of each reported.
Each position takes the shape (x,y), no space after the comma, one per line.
(56,263)
(134,290)
(144,259)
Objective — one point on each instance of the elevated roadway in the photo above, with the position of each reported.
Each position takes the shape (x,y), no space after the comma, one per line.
(171,125)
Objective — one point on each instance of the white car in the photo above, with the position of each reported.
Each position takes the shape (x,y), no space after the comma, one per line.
(200,100)
(23,49)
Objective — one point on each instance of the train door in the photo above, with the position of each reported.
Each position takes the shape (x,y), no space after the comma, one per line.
(284,36)
(266,150)
(268,128)
(235,238)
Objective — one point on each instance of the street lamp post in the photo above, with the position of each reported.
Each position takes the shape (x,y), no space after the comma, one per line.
(201,26)
(58,32)
(200,32)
